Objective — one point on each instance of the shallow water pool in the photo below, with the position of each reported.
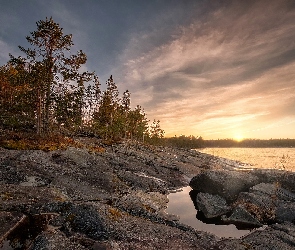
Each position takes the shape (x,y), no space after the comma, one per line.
(181,204)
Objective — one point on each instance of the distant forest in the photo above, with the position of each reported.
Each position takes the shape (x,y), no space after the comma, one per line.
(250,143)
(198,142)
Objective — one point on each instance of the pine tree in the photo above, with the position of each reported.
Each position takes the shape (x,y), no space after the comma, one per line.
(52,68)
(125,111)
(105,119)
(156,133)
(137,124)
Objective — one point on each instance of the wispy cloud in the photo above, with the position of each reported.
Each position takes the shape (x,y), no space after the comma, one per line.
(234,67)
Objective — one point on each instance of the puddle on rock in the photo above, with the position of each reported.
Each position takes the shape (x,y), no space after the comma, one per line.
(181,204)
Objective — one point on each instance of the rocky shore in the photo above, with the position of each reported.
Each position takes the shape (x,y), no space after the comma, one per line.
(116,199)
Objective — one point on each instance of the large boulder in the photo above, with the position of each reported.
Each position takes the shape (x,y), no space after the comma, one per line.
(269,202)
(286,179)
(285,211)
(241,217)
(227,184)
(212,206)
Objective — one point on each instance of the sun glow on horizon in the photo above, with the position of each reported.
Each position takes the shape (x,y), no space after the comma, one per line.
(238,137)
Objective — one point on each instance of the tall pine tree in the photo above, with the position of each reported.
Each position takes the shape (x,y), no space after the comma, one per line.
(55,72)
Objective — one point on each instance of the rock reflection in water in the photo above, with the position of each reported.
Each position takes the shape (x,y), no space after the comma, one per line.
(181,204)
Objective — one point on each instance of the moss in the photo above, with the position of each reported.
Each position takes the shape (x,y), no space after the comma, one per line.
(6,196)
(115,214)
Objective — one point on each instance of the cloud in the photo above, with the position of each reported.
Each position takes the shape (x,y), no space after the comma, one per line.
(231,67)
(5,50)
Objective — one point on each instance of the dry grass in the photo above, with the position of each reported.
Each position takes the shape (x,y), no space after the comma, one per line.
(114,214)
(51,142)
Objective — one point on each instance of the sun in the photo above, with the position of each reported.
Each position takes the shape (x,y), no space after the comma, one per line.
(238,138)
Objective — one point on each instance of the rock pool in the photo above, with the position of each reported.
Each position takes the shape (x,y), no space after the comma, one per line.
(181,204)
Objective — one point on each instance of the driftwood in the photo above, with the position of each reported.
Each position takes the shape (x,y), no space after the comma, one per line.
(23,220)
(38,221)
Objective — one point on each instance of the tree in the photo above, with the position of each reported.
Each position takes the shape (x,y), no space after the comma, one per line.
(52,68)
(16,112)
(104,119)
(45,91)
(137,124)
(125,110)
(156,133)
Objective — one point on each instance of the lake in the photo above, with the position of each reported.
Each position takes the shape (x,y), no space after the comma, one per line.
(274,158)
(181,204)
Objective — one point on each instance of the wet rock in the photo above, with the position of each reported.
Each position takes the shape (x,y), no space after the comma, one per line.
(212,205)
(242,217)
(227,184)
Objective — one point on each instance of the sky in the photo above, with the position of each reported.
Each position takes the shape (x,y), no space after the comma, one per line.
(211,68)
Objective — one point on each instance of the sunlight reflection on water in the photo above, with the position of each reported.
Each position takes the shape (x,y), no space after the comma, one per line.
(180,203)
(274,158)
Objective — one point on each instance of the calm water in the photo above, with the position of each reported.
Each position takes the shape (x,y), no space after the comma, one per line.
(181,204)
(276,158)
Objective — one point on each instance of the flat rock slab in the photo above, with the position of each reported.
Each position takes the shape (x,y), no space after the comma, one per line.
(275,237)
(12,196)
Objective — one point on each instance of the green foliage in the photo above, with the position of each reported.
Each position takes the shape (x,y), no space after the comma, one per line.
(114,119)
(155,134)
(45,93)
(54,77)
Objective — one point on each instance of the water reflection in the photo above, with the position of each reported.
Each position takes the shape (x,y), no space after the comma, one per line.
(181,203)
(273,158)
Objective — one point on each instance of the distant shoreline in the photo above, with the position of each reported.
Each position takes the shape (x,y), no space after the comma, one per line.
(250,143)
